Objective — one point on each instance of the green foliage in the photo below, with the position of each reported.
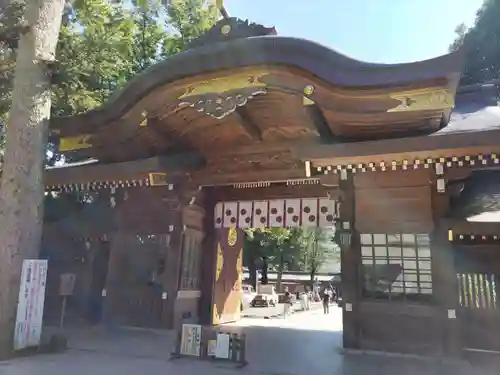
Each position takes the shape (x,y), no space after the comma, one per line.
(318,248)
(188,19)
(482,43)
(103,44)
(295,249)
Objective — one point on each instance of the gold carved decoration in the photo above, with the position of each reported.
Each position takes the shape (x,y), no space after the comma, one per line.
(78,142)
(220,262)
(423,100)
(308,89)
(144,119)
(221,96)
(239,264)
(306,101)
(215,315)
(232,236)
(158,179)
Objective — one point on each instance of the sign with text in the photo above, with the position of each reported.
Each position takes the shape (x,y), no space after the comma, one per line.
(191,340)
(28,329)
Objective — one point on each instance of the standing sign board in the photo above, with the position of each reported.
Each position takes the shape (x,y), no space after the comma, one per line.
(67,284)
(29,317)
(191,340)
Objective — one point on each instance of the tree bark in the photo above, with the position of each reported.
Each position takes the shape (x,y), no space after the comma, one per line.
(279,276)
(22,187)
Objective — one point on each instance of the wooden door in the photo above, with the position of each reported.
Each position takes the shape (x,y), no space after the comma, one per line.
(478,273)
(228,273)
(134,286)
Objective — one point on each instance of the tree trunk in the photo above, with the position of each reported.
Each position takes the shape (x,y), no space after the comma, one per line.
(312,274)
(279,276)
(22,186)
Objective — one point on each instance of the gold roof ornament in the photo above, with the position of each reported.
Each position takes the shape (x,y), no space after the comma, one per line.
(423,100)
(78,142)
(221,96)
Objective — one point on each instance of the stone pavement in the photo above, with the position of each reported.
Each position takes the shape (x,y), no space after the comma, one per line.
(274,311)
(305,343)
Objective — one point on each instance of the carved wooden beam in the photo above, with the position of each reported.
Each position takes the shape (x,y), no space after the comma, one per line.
(275,191)
(248,124)
(176,144)
(208,178)
(133,170)
(315,115)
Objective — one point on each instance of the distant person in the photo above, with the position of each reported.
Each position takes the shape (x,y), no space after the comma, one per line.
(303,300)
(287,303)
(306,299)
(326,300)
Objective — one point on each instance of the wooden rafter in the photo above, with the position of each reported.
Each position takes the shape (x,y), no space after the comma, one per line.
(133,170)
(248,124)
(315,115)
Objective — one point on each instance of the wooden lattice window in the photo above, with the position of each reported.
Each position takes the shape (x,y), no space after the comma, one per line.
(396,266)
(191,260)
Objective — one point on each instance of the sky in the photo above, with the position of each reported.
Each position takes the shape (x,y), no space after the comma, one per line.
(381,31)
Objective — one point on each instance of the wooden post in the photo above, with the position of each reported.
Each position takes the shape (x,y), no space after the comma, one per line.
(445,290)
(63,313)
(348,240)
(66,288)
(208,260)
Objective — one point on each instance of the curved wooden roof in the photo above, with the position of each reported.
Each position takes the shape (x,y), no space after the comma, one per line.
(291,90)
(242,104)
(473,130)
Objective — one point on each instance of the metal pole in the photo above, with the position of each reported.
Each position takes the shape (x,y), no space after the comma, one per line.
(63,312)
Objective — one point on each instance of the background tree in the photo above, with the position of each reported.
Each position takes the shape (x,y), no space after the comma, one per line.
(319,247)
(21,189)
(291,249)
(185,21)
(282,246)
(102,45)
(482,44)
(252,253)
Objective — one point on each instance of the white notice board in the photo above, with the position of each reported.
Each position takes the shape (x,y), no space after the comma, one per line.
(191,340)
(30,304)
(222,348)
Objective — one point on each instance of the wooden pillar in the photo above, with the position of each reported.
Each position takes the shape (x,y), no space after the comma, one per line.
(172,254)
(349,242)
(208,259)
(445,290)
(444,274)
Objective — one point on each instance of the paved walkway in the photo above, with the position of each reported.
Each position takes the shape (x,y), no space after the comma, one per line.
(274,311)
(304,344)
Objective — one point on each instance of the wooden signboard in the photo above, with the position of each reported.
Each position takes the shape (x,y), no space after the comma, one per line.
(67,284)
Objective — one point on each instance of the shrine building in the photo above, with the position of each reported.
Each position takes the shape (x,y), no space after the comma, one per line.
(247,129)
